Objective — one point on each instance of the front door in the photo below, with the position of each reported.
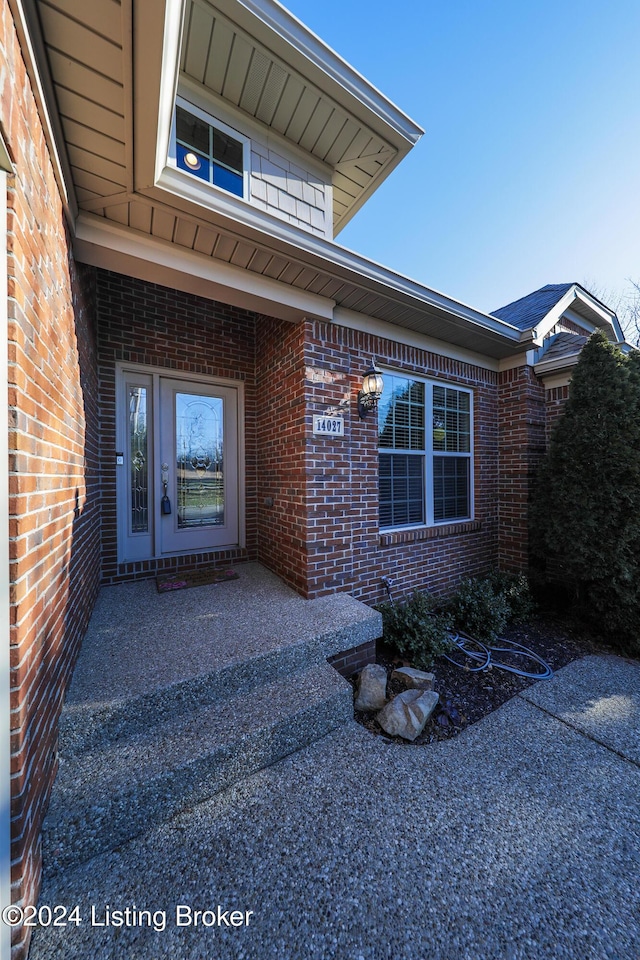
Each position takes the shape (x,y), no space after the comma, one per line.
(198,466)
(178,465)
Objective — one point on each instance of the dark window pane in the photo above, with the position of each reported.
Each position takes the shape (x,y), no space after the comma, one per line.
(401,414)
(451,488)
(401,490)
(192,131)
(227,151)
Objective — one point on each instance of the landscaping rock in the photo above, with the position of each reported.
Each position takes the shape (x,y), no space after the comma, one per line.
(371,687)
(406,715)
(414,679)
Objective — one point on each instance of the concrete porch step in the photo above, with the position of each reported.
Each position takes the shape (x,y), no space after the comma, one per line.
(147,659)
(106,795)
(89,726)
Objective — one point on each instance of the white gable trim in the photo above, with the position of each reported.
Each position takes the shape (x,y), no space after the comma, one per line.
(607,318)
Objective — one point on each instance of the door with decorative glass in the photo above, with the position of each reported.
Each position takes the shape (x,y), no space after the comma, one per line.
(177,465)
(198,466)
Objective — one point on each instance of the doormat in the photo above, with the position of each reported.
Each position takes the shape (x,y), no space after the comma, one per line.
(193,578)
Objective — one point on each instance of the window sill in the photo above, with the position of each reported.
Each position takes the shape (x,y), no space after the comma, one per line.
(429,533)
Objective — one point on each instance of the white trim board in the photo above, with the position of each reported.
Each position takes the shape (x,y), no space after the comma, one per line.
(104,244)
(398,334)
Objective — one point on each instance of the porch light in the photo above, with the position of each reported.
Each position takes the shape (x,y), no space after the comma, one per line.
(372,387)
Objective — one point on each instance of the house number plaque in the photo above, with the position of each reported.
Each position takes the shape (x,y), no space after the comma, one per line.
(328,426)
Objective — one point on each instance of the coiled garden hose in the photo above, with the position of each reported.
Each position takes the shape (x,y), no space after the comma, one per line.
(484,655)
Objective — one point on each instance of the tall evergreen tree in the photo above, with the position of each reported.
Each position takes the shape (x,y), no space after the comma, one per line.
(586,511)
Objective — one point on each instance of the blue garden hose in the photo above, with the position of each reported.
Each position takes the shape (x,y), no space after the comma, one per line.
(483,654)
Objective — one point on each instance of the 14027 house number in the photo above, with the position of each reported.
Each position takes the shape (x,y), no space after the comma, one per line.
(328,426)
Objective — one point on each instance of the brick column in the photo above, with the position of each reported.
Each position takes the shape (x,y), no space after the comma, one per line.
(521,440)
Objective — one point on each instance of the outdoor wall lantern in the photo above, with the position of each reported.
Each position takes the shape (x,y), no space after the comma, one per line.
(372,387)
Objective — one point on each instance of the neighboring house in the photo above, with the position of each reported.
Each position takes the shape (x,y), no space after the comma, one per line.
(179,315)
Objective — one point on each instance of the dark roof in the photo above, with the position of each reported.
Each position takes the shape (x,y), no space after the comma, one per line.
(527,312)
(563,345)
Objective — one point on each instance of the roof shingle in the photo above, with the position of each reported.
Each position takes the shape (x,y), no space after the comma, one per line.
(528,311)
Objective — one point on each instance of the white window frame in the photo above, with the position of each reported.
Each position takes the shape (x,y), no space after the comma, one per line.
(428,454)
(212,121)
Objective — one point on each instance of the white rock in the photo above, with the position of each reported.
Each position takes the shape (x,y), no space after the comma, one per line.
(372,687)
(415,679)
(407,714)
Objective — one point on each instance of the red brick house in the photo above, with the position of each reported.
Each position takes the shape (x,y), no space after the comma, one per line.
(182,323)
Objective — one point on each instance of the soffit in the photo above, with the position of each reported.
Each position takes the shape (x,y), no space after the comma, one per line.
(272,71)
(351,283)
(231,52)
(90,61)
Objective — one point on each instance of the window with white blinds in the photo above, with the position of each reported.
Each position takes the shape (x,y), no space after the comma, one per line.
(425,452)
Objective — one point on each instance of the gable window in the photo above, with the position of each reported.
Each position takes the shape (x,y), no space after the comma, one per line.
(425,453)
(209,150)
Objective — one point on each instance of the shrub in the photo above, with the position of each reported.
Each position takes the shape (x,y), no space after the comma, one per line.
(478,610)
(416,629)
(514,587)
(585,514)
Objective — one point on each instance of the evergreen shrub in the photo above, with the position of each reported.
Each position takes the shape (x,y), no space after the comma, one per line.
(479,610)
(416,628)
(514,587)
(585,514)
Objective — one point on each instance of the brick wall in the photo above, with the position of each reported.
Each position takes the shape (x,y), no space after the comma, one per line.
(282,432)
(53,470)
(522,424)
(312,501)
(346,550)
(555,399)
(144,323)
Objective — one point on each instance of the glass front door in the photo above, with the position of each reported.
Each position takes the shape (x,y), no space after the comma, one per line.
(198,469)
(177,469)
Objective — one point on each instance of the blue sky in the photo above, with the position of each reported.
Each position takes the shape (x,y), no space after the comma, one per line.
(529,169)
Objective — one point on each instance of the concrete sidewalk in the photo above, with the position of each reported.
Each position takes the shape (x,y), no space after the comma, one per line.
(518,839)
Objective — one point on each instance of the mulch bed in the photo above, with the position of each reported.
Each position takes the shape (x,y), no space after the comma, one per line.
(466,697)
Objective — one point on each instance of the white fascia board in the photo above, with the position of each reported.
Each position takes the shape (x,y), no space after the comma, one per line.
(556,364)
(302,244)
(606,315)
(392,282)
(296,35)
(105,244)
(157,35)
(26,22)
(552,380)
(172,41)
(549,321)
(410,338)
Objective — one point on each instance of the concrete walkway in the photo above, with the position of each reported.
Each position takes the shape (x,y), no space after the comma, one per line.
(518,840)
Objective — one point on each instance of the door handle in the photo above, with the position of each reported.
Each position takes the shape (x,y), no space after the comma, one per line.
(165,503)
